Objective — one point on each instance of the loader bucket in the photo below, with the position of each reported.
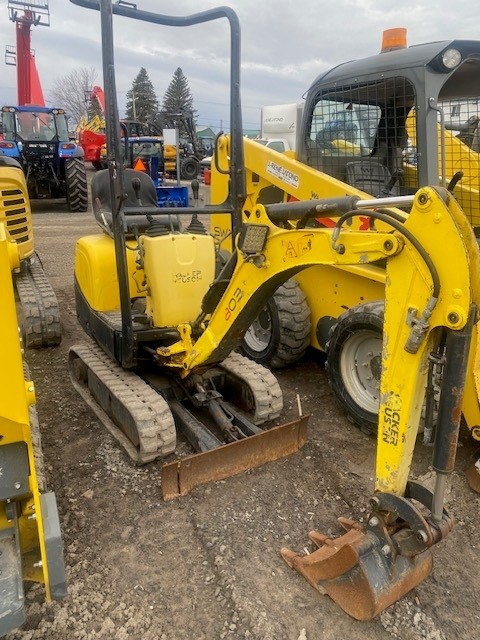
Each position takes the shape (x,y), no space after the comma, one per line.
(181,476)
(358,571)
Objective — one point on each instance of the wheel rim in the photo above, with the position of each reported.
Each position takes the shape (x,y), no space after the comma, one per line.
(360,368)
(259,334)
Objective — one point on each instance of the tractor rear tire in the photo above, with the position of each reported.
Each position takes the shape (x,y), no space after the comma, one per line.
(76,184)
(280,334)
(189,168)
(354,361)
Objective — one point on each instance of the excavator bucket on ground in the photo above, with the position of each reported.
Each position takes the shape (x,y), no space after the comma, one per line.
(359,571)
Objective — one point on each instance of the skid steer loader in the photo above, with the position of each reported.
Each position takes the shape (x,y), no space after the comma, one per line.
(39,310)
(386,124)
(30,538)
(164,326)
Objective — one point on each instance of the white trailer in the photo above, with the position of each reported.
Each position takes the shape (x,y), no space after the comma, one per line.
(282,121)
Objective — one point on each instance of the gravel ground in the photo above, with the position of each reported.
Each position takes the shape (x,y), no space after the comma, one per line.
(207,566)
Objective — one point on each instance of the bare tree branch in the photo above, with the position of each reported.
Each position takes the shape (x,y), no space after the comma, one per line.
(69,91)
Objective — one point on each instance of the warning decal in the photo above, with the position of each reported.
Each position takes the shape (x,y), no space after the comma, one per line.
(283,174)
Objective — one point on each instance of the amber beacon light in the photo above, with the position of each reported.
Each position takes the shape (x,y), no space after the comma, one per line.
(394,39)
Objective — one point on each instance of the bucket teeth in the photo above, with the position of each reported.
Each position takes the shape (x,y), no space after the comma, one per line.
(358,571)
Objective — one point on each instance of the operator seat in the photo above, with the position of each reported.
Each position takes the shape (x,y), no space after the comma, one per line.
(134,216)
(372,176)
(379,174)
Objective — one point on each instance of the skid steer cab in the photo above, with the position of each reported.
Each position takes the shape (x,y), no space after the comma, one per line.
(165,324)
(53,165)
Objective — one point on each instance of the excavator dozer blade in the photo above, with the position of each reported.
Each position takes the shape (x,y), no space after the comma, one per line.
(180,476)
(361,574)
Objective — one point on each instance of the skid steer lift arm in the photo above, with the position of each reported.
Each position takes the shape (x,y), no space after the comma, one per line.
(427,303)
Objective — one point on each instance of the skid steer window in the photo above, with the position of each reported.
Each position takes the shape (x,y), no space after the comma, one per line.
(341,132)
(358,134)
(344,127)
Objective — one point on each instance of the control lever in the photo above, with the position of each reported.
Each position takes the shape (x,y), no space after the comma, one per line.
(195,185)
(136,184)
(196,225)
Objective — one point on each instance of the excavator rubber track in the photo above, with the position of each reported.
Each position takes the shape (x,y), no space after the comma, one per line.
(118,396)
(266,397)
(36,437)
(39,312)
(148,431)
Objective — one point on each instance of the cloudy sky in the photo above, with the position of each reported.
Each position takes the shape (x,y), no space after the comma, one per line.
(285,45)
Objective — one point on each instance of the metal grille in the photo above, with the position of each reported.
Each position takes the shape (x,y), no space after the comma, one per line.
(459,148)
(13,210)
(363,134)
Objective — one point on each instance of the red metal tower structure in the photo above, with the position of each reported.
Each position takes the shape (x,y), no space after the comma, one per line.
(35,12)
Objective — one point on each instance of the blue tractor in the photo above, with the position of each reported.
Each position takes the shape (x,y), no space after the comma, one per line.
(53,164)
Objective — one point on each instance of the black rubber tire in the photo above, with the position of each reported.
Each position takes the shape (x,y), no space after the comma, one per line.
(357,335)
(189,168)
(76,185)
(281,333)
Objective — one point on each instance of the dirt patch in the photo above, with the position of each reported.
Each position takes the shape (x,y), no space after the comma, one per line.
(208,566)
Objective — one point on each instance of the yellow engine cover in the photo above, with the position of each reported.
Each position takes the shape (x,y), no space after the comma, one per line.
(15,210)
(96,272)
(179,269)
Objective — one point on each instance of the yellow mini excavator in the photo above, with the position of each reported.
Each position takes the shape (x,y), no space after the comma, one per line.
(30,539)
(164,324)
(40,314)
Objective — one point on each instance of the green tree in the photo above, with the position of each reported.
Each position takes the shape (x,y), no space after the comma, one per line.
(142,102)
(177,100)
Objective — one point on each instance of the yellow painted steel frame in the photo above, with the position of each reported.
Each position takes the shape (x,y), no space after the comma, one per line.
(437,222)
(16,396)
(15,212)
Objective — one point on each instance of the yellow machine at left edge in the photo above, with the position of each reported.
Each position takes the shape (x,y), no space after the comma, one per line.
(30,539)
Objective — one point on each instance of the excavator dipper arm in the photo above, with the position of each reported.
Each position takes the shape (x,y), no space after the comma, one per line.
(427,304)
